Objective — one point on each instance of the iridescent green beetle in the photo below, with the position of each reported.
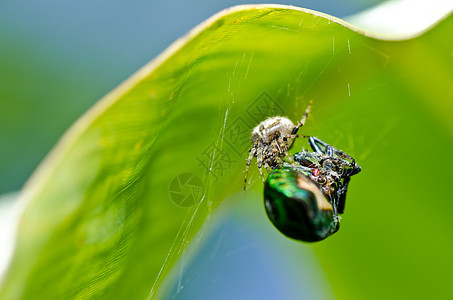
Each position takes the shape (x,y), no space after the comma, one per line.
(303,200)
(297,207)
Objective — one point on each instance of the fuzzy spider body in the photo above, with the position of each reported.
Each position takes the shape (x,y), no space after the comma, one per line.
(271,140)
(273,128)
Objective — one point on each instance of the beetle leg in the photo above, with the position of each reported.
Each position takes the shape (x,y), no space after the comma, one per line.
(342,195)
(303,158)
(329,150)
(317,145)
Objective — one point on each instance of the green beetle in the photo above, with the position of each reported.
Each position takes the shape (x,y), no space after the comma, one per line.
(303,200)
(297,207)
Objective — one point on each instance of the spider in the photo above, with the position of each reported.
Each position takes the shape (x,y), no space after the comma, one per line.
(271,140)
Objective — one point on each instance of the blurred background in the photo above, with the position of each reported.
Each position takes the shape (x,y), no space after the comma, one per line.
(58,58)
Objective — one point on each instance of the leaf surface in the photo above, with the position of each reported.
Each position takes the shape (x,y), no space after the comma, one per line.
(129,185)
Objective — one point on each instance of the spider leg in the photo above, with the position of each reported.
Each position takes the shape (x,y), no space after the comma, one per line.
(304,118)
(270,153)
(247,165)
(277,145)
(275,148)
(259,159)
(285,148)
(291,160)
(293,136)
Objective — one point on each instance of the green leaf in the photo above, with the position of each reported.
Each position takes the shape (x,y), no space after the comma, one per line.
(104,214)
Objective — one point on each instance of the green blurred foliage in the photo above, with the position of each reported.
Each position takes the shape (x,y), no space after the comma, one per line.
(54,67)
(387,104)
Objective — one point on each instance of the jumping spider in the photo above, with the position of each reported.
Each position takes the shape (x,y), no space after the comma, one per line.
(271,140)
